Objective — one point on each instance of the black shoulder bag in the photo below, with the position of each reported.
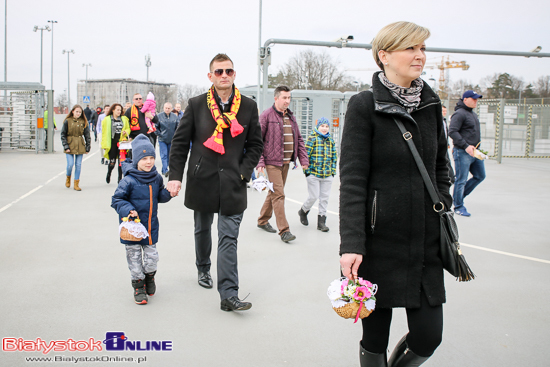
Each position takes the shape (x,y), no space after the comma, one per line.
(451,255)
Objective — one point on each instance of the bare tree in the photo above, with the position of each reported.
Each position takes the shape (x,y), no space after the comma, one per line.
(542,86)
(61,101)
(187,91)
(163,94)
(310,70)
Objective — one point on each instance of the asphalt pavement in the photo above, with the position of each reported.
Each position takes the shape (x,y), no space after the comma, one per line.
(65,279)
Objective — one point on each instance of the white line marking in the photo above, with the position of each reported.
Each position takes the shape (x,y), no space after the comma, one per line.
(313,207)
(506,253)
(41,186)
(465,244)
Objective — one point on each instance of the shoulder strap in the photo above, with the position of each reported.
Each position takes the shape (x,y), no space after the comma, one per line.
(438,205)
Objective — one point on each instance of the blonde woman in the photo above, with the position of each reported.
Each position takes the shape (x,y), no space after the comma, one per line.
(389,230)
(75,137)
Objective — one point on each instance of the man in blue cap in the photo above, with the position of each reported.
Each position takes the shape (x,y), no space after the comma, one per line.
(465,132)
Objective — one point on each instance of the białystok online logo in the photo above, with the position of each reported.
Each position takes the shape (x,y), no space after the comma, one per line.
(114,341)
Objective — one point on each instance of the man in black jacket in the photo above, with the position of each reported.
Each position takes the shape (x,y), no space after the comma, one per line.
(466,135)
(227,144)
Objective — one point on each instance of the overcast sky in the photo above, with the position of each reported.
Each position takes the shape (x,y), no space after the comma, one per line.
(183,36)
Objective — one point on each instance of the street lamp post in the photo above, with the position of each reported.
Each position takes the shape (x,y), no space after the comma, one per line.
(148,64)
(52,22)
(86,84)
(68,52)
(41,29)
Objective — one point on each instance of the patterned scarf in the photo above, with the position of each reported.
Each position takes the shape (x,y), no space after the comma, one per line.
(223,121)
(134,118)
(407,97)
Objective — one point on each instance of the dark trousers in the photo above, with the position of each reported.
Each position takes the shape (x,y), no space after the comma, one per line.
(425,329)
(228,233)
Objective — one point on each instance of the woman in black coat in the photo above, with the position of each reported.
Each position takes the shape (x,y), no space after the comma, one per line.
(389,230)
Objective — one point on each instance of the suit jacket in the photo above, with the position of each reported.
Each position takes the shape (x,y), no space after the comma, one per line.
(216,183)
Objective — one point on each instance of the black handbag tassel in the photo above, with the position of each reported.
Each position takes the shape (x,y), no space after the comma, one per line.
(465,274)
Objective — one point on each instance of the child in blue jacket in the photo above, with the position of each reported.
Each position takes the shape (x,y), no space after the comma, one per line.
(138,195)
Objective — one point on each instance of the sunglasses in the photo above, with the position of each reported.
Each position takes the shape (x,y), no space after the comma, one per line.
(219,72)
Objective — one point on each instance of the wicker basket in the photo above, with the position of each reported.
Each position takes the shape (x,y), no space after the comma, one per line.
(349,311)
(127,236)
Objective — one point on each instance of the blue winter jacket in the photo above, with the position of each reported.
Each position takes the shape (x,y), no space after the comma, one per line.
(142,192)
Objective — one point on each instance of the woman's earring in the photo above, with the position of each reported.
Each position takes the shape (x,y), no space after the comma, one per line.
(386,64)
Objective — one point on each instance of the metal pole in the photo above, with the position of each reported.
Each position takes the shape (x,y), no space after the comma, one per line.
(5,42)
(51,123)
(52,22)
(259,61)
(86,83)
(5,45)
(69,52)
(41,51)
(500,134)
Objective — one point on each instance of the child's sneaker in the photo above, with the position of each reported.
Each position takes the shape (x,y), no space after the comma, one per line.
(150,287)
(140,297)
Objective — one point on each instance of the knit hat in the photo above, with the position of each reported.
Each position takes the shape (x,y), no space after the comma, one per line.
(323,120)
(141,148)
(151,96)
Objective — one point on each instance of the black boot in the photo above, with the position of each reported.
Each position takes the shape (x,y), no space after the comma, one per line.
(109,170)
(119,174)
(321,220)
(303,216)
(150,286)
(402,356)
(140,297)
(369,359)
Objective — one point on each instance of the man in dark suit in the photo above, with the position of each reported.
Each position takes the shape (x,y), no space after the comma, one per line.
(227,144)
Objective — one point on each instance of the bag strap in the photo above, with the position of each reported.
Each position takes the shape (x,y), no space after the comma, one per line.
(427,181)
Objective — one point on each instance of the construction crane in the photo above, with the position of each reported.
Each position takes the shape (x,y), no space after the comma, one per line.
(448,65)
(444,65)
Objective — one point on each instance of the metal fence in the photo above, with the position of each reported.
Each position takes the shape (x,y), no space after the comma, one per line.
(512,130)
(22,108)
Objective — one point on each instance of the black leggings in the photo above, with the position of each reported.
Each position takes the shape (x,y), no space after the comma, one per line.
(425,329)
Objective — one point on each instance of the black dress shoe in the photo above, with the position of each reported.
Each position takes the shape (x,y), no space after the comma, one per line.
(205,280)
(287,237)
(267,227)
(234,304)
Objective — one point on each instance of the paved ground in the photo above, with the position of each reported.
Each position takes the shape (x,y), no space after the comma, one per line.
(64,276)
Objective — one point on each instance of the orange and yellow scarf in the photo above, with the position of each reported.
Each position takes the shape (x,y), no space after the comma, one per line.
(134,118)
(223,120)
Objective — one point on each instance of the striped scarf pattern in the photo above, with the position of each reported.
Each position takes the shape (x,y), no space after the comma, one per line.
(223,121)
(407,97)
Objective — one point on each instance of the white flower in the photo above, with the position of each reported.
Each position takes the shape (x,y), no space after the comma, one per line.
(333,291)
(370,304)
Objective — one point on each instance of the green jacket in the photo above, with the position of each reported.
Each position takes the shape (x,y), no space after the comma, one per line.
(107,133)
(46,120)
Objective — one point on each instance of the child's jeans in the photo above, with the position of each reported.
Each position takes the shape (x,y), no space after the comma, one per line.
(74,160)
(141,259)
(318,188)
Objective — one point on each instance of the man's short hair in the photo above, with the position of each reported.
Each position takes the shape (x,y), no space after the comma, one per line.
(168,103)
(137,94)
(220,58)
(279,89)
(443,106)
(106,106)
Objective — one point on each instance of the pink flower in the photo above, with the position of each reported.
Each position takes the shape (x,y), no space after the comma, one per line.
(364,282)
(344,285)
(361,293)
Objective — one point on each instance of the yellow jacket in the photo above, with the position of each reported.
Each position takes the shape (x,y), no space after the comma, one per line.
(107,133)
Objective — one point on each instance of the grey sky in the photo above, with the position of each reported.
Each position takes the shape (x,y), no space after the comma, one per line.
(182,36)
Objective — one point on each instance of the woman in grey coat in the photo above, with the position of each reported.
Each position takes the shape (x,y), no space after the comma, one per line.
(389,230)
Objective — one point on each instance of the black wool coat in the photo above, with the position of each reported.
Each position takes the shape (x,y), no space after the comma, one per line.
(385,210)
(214,183)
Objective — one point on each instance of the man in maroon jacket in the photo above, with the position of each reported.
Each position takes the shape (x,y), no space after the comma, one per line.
(282,144)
